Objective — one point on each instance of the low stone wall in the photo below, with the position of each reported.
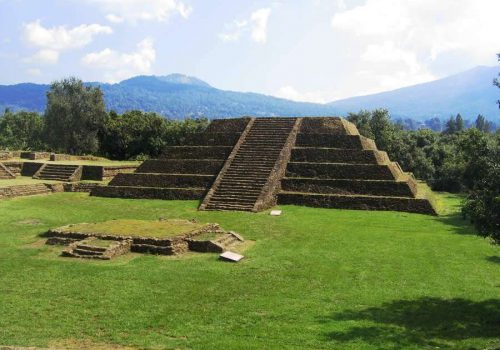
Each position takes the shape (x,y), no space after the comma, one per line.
(149,193)
(340,171)
(24,190)
(14,167)
(58,157)
(181,166)
(6,155)
(35,155)
(81,187)
(162,180)
(334,141)
(411,205)
(349,187)
(109,172)
(338,155)
(196,152)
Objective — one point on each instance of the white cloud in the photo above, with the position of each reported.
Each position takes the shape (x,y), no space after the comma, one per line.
(118,66)
(62,38)
(259,29)
(51,41)
(114,18)
(401,40)
(290,93)
(44,56)
(34,72)
(256,25)
(142,10)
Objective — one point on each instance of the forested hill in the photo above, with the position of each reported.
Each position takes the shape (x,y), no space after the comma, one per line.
(174,96)
(177,96)
(469,93)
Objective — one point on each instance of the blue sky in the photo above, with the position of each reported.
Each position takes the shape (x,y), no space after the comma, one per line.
(309,50)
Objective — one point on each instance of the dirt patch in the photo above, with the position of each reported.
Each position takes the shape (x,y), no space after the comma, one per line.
(32,222)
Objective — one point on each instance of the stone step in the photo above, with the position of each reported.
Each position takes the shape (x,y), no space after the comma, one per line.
(149,192)
(359,202)
(343,171)
(229,207)
(81,251)
(407,188)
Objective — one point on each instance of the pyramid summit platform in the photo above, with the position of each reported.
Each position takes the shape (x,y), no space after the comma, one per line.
(251,164)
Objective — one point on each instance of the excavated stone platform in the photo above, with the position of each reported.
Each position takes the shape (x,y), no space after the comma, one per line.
(163,237)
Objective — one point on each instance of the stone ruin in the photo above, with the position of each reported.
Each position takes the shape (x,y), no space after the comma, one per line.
(252,164)
(82,241)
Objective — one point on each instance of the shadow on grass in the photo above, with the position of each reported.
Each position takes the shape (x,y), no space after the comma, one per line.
(423,322)
(494,259)
(459,225)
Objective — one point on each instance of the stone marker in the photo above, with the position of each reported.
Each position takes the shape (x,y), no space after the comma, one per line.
(230,256)
(275,212)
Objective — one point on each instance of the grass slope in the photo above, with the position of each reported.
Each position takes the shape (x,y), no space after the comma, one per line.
(314,279)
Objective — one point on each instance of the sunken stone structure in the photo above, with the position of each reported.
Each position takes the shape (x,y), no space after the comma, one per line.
(6,173)
(252,164)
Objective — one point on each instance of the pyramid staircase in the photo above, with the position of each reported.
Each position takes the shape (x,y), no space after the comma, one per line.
(184,171)
(245,180)
(59,172)
(5,173)
(333,166)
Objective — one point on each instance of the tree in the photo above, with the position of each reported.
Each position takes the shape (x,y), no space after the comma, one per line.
(496,82)
(482,124)
(21,130)
(482,205)
(74,116)
(454,125)
(362,122)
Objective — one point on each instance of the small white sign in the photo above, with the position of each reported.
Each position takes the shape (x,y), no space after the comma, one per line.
(275,212)
(230,256)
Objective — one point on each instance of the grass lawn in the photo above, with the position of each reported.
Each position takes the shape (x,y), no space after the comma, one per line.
(314,279)
(136,228)
(28,180)
(23,180)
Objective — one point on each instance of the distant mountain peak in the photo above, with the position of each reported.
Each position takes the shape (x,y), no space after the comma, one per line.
(183,79)
(175,78)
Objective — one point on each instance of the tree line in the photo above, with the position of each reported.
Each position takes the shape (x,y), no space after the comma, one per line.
(76,122)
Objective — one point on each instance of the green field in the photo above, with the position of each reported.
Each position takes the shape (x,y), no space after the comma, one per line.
(313,279)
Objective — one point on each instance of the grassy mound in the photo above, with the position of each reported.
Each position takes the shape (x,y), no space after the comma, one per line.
(314,279)
(136,228)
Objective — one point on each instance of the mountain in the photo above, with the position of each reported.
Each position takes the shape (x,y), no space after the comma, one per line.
(469,93)
(178,96)
(175,96)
